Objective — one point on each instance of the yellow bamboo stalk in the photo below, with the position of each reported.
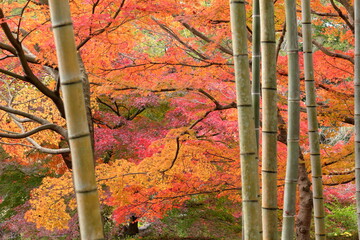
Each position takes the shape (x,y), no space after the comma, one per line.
(78,130)
(269,126)
(248,148)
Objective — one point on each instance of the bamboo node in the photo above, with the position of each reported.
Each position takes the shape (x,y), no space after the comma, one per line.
(244,105)
(67,83)
(269,88)
(270,209)
(62,25)
(291,181)
(319,198)
(248,153)
(270,132)
(241,55)
(87,191)
(81,135)
(316,176)
(268,41)
(269,171)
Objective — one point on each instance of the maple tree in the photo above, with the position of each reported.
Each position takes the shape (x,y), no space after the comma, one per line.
(163,97)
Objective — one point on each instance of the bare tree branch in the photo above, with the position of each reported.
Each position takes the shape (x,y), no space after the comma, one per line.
(344,17)
(42,121)
(330,53)
(100,31)
(205,38)
(29,133)
(29,75)
(177,38)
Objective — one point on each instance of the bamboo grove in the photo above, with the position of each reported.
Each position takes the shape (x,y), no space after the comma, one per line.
(269,124)
(152,104)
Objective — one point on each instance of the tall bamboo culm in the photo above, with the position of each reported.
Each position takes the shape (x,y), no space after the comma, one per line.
(318,200)
(255,87)
(357,106)
(78,130)
(269,121)
(255,70)
(293,122)
(248,149)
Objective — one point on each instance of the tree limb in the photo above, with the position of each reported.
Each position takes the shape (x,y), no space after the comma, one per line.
(345,18)
(177,38)
(205,38)
(29,75)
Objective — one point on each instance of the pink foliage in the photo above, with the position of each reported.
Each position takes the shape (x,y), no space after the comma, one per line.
(344,194)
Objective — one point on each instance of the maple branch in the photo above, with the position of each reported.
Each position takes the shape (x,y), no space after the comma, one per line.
(94,6)
(122,175)
(42,121)
(202,118)
(14,75)
(205,38)
(130,116)
(177,38)
(349,8)
(209,64)
(116,111)
(48,150)
(20,19)
(345,18)
(335,91)
(138,111)
(339,183)
(175,157)
(29,133)
(29,75)
(330,53)
(218,106)
(323,14)
(31,58)
(340,173)
(219,21)
(200,193)
(16,144)
(100,31)
(337,160)
(32,141)
(281,40)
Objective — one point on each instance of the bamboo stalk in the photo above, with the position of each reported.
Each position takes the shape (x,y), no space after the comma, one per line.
(318,199)
(357,106)
(248,149)
(256,57)
(269,122)
(78,130)
(255,86)
(293,122)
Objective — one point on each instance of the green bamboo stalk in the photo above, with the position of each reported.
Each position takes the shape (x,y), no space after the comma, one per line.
(318,199)
(293,122)
(357,106)
(269,122)
(255,86)
(248,149)
(255,90)
(78,130)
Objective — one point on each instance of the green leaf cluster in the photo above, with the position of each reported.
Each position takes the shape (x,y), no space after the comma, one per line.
(15,186)
(341,221)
